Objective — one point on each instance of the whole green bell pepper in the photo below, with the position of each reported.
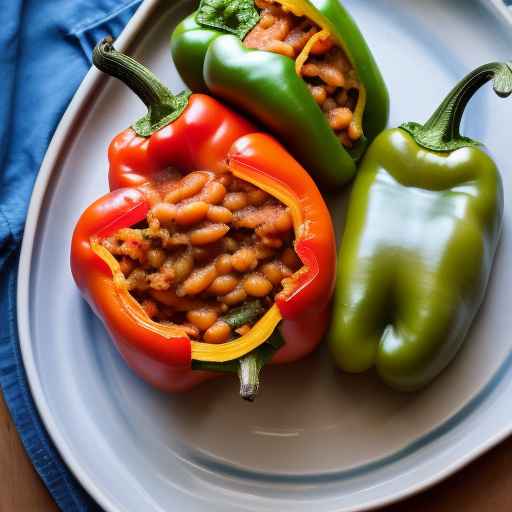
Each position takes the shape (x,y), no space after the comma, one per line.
(422,229)
(267,86)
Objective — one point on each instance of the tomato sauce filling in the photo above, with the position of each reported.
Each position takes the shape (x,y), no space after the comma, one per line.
(211,255)
(328,73)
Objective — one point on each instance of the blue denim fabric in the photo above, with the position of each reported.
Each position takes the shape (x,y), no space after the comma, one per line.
(45,49)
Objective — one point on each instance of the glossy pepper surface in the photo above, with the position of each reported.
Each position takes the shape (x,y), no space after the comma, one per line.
(421,234)
(203,134)
(267,86)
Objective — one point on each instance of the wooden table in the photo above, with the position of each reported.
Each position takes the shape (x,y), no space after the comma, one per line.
(486,485)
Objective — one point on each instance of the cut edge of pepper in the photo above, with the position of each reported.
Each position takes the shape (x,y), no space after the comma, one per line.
(200,351)
(281,192)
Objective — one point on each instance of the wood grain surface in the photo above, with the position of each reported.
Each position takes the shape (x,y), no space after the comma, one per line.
(485,485)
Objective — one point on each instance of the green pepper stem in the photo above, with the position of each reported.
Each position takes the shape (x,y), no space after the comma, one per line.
(249,375)
(442,131)
(248,367)
(163,106)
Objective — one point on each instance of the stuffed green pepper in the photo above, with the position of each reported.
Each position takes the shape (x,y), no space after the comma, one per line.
(303,69)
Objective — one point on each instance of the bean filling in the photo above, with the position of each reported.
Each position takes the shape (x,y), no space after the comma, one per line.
(328,73)
(211,256)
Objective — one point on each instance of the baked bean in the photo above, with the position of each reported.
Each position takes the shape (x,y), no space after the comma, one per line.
(329,104)
(275,243)
(354,132)
(263,252)
(267,20)
(126,265)
(322,46)
(223,264)
(339,118)
(290,259)
(219,332)
(331,76)
(257,285)
(198,281)
(213,192)
(275,271)
(257,197)
(281,47)
(223,284)
(310,70)
(174,195)
(202,318)
(283,221)
(244,259)
(165,213)
(192,184)
(319,93)
(175,303)
(156,257)
(183,266)
(235,201)
(191,213)
(176,239)
(219,214)
(235,297)
(226,179)
(208,234)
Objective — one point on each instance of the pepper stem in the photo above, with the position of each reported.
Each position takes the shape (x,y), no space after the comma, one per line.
(247,367)
(163,106)
(249,375)
(442,131)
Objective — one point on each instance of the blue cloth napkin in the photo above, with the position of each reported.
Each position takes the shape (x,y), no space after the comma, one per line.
(45,49)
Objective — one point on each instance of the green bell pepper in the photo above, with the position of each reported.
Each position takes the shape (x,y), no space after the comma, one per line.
(421,233)
(266,85)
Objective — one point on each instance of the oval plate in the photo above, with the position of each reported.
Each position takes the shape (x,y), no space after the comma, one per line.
(315,439)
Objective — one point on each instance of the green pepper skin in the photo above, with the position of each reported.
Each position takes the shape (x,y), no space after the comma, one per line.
(266,86)
(421,234)
(189,44)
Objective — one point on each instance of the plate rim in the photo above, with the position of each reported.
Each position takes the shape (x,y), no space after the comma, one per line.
(93,81)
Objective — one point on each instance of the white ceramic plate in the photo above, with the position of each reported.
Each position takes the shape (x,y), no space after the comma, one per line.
(314,439)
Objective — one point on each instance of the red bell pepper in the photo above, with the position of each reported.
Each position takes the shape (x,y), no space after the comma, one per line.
(199,133)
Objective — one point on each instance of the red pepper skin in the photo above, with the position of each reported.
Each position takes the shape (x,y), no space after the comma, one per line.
(206,136)
(199,139)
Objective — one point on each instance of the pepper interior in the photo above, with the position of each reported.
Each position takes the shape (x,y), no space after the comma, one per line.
(320,60)
(211,256)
